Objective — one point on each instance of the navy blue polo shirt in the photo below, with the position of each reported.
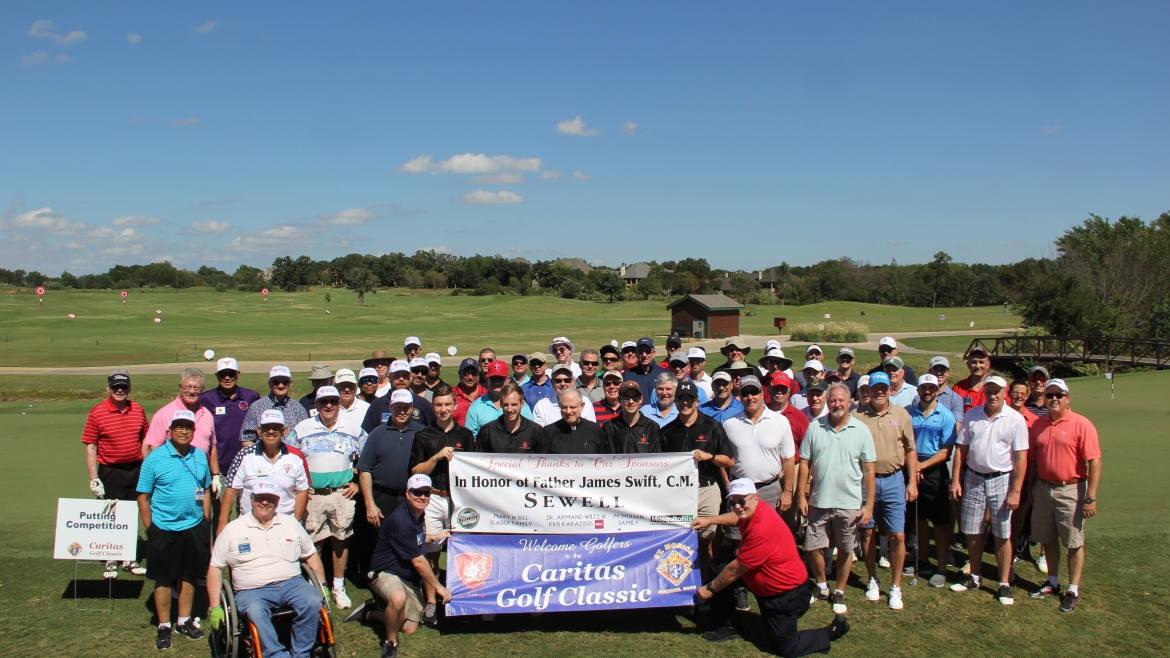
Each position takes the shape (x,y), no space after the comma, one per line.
(379,412)
(645,381)
(400,539)
(534,392)
(386,455)
(228,413)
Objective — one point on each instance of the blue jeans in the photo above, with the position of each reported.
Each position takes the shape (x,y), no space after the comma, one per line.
(297,593)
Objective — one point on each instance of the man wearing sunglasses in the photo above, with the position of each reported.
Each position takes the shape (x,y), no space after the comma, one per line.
(113,436)
(539,386)
(468,390)
(519,370)
(546,412)
(769,565)
(610,406)
(434,376)
(379,412)
(845,362)
(486,355)
(228,404)
(1037,383)
(888,347)
(631,432)
(762,444)
(279,387)
(419,370)
(647,370)
(588,382)
(723,404)
(611,358)
(1066,459)
(629,355)
(368,384)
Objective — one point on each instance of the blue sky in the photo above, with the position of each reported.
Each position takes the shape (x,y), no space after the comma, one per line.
(745,133)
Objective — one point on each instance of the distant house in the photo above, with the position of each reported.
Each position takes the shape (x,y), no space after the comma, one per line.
(705,316)
(768,280)
(577,264)
(633,274)
(266,273)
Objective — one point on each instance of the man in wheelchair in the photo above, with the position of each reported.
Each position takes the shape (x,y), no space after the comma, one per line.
(264,550)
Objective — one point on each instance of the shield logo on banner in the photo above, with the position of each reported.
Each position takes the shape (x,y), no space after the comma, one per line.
(473,568)
(674,567)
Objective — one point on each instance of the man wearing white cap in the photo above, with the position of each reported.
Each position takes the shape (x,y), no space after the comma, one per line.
(368,384)
(264,549)
(993,444)
(331,449)
(279,387)
(379,411)
(888,347)
(411,347)
(697,358)
(562,350)
(629,354)
(353,410)
(270,460)
(434,377)
(175,508)
(813,369)
(812,353)
(769,565)
(546,412)
(845,361)
(419,369)
(384,464)
(228,404)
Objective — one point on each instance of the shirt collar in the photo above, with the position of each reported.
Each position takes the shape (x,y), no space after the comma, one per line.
(258,447)
(251,521)
(112,408)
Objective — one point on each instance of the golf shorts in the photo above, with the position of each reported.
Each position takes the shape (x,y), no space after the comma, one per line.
(437,518)
(889,503)
(934,501)
(986,496)
(839,524)
(175,554)
(708,506)
(329,515)
(120,480)
(1058,513)
(384,585)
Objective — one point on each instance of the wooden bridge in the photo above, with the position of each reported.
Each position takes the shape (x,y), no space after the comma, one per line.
(1109,351)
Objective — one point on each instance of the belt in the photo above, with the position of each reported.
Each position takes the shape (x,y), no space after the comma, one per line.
(1061,483)
(389,491)
(325,491)
(988,476)
(890,474)
(123,467)
(760,485)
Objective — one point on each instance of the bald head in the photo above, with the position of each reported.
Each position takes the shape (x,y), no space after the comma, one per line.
(571,405)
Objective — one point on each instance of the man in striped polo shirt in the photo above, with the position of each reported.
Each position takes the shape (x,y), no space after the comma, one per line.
(113,437)
(331,449)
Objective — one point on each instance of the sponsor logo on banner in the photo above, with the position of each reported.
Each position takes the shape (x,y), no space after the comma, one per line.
(74,549)
(676,564)
(468,518)
(473,568)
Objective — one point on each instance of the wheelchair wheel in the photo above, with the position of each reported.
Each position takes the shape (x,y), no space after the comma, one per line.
(225,643)
(326,648)
(327,602)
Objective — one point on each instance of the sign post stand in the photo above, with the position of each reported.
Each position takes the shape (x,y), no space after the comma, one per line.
(77,609)
(123,298)
(264,291)
(41,295)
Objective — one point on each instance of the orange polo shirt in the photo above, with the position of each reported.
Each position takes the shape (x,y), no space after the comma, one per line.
(1062,448)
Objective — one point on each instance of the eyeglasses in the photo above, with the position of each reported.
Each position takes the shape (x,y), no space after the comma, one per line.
(328,403)
(120,389)
(485,359)
(272,430)
(590,364)
(885,349)
(420,493)
(610,359)
(368,380)
(280,382)
(420,371)
(191,389)
(686,400)
(562,380)
(635,398)
(629,350)
(845,359)
(748,394)
(264,500)
(720,383)
(679,366)
(742,502)
(1056,396)
(609,384)
(227,374)
(182,428)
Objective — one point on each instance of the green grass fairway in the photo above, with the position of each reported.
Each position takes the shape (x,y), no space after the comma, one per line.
(951,344)
(294,326)
(1123,610)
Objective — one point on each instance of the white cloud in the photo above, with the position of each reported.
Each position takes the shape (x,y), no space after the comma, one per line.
(211,226)
(499,179)
(189,121)
(135,220)
(551,173)
(441,249)
(133,38)
(486,198)
(43,57)
(347,217)
(75,36)
(286,237)
(1048,130)
(577,127)
(42,220)
(629,127)
(471,163)
(581,175)
(43,29)
(206,27)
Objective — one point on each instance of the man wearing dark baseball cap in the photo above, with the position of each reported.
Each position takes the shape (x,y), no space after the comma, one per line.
(646,370)
(468,390)
(971,388)
(519,369)
(631,432)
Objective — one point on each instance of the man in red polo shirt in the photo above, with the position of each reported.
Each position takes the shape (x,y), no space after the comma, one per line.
(971,388)
(113,437)
(1065,455)
(770,567)
(467,390)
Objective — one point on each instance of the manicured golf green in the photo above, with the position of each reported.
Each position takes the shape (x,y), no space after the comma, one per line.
(951,344)
(1123,609)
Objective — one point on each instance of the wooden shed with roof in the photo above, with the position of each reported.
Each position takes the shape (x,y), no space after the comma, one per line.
(705,316)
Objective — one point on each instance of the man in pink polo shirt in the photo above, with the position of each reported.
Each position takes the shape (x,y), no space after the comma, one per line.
(190,388)
(1065,455)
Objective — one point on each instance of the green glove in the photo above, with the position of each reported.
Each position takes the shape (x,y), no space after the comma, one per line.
(215,617)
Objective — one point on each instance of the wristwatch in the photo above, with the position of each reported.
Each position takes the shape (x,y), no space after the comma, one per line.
(1089,500)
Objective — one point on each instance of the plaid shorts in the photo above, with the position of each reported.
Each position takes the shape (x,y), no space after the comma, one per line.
(982,495)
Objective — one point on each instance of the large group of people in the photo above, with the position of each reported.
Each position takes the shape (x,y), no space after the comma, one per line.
(801,472)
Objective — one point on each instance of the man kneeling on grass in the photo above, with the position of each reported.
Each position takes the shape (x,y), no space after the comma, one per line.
(770,567)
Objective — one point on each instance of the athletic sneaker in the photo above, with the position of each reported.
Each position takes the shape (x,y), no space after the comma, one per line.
(1042,564)
(924,569)
(908,569)
(1005,594)
(895,598)
(741,599)
(389,650)
(883,562)
(938,580)
(163,641)
(111,570)
(819,594)
(134,568)
(1047,590)
(873,591)
(721,634)
(430,614)
(341,599)
(838,599)
(965,585)
(191,629)
(1069,602)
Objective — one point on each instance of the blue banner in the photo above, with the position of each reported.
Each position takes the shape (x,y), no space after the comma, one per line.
(513,573)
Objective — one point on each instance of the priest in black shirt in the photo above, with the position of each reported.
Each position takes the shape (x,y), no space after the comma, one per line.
(511,432)
(572,434)
(631,432)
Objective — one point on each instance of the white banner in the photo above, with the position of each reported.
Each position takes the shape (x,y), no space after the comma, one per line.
(562,494)
(89,529)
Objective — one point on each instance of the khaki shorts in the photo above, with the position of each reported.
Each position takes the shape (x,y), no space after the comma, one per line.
(329,516)
(841,524)
(708,506)
(385,584)
(437,517)
(1058,513)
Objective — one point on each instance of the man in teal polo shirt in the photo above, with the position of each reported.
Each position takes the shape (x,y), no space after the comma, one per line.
(175,507)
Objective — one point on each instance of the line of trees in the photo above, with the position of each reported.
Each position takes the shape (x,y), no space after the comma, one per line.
(154,275)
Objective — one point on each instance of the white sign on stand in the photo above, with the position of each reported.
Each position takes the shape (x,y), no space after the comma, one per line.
(89,529)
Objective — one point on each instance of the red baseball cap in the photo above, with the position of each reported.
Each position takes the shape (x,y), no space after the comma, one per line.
(780,379)
(496,369)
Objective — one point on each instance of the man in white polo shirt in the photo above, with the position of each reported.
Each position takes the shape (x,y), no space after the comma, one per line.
(270,460)
(762,444)
(264,550)
(993,443)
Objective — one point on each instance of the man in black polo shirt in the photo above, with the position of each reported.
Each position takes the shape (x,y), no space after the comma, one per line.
(572,434)
(401,568)
(511,432)
(646,370)
(379,411)
(434,446)
(631,432)
(383,469)
(699,434)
